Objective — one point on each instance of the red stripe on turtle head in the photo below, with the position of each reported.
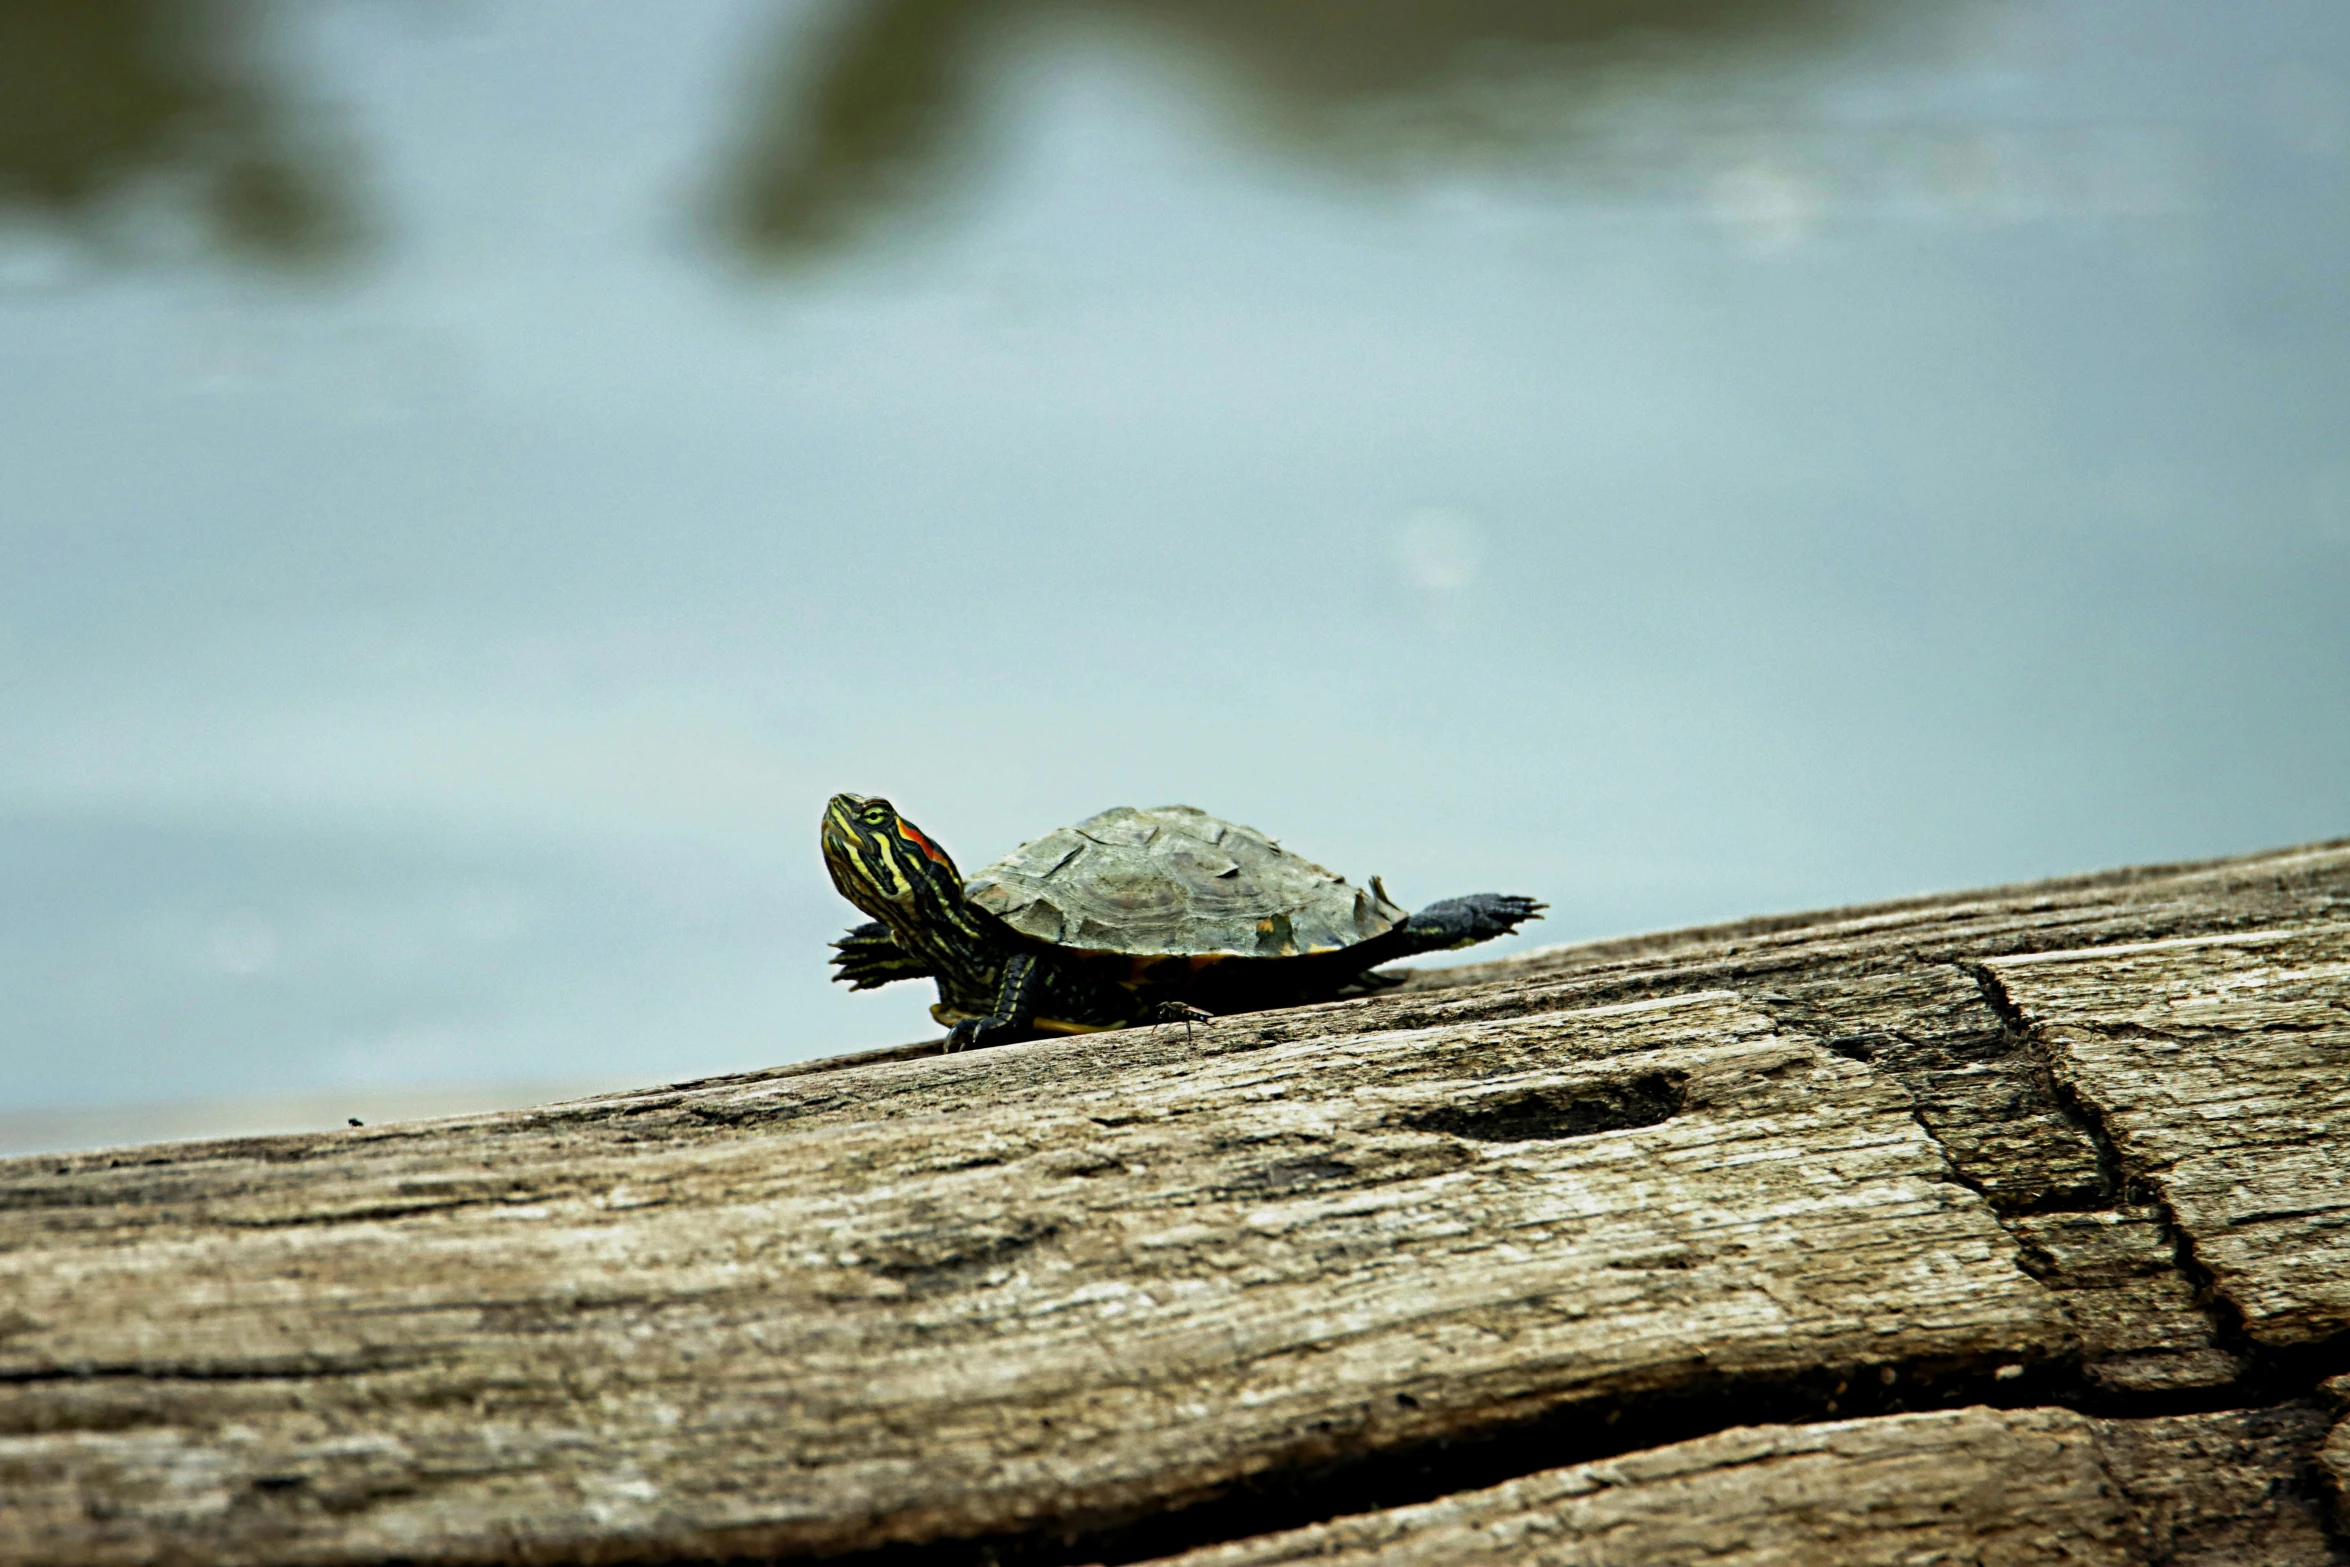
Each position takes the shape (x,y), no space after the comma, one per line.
(913,835)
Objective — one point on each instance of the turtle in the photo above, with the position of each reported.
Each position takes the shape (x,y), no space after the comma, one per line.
(1130,916)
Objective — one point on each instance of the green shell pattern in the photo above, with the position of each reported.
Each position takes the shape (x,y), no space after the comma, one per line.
(1177,882)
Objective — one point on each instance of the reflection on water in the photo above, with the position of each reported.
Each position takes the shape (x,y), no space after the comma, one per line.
(118,116)
(114,113)
(122,118)
(888,104)
(119,113)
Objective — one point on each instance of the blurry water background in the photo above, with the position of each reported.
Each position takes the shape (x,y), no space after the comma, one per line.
(474,476)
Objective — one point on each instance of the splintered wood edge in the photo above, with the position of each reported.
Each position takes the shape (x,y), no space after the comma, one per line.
(2131,949)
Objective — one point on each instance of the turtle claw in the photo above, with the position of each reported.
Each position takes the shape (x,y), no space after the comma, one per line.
(1504,911)
(869,957)
(969,1034)
(1512,911)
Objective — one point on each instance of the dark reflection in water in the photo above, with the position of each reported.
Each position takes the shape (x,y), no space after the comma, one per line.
(114,110)
(889,107)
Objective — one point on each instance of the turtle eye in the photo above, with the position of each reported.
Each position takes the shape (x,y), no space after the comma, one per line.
(875,815)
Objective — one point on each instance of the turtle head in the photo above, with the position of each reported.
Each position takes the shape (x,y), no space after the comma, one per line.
(888,867)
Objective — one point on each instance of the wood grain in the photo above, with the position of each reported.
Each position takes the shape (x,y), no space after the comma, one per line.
(963,1295)
(2115,1272)
(1980,1486)
(2334,1466)
(2221,1068)
(983,1300)
(2224,1489)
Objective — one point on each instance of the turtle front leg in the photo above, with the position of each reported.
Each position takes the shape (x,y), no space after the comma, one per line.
(1463,922)
(1015,1008)
(869,956)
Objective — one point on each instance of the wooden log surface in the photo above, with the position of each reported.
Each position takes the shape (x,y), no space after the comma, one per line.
(2333,1470)
(2220,1068)
(1106,1297)
(1981,1486)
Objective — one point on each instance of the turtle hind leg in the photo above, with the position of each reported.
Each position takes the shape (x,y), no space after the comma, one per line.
(1369,982)
(1463,922)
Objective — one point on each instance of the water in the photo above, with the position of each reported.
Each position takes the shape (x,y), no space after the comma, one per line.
(475,477)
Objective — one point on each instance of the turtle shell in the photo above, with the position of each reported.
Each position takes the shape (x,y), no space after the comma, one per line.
(1177,882)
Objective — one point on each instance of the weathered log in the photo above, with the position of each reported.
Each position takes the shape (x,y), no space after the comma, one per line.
(2334,1469)
(2220,1067)
(1115,1295)
(1985,1486)
(1143,1272)
(2116,1271)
